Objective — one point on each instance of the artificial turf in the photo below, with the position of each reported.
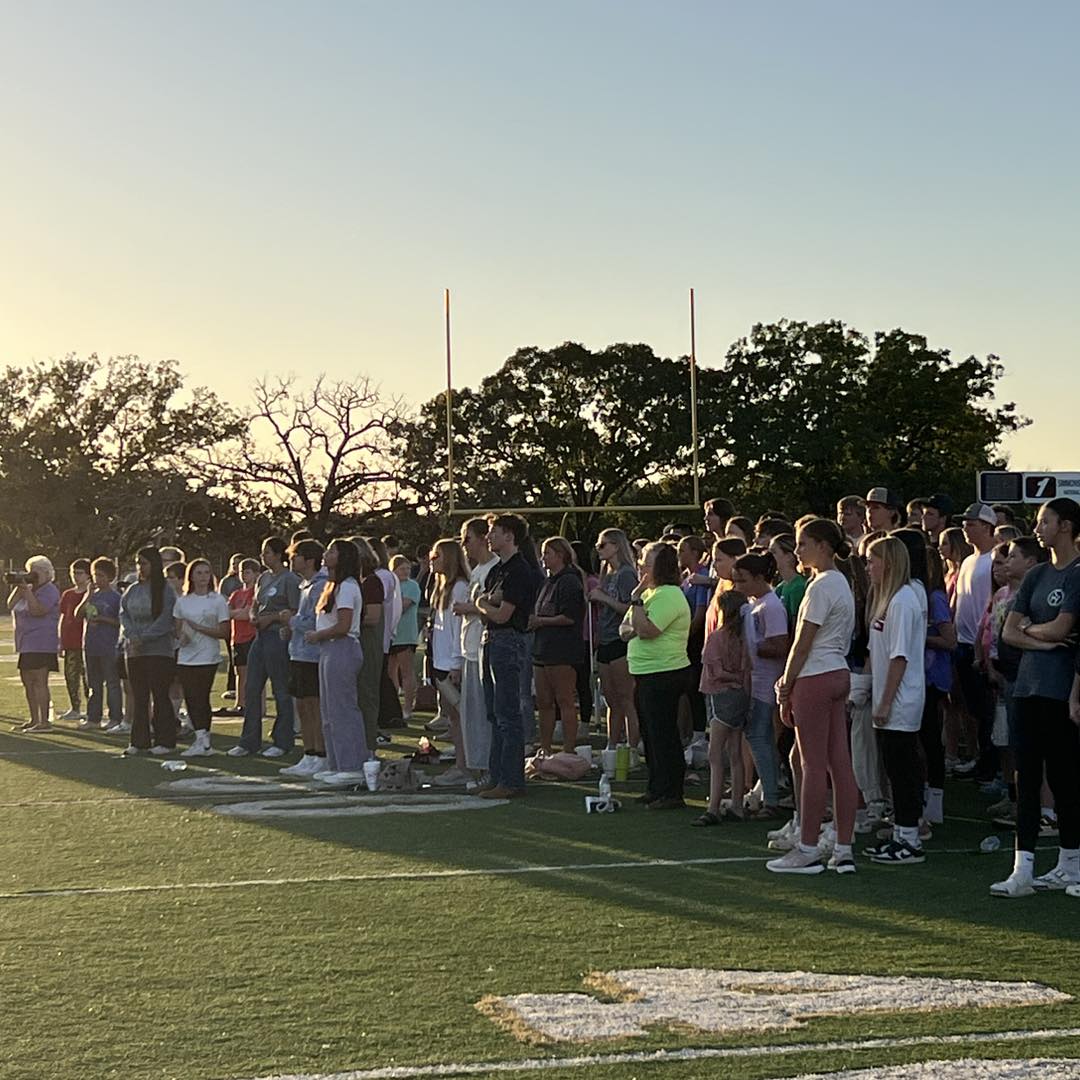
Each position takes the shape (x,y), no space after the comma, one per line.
(320,976)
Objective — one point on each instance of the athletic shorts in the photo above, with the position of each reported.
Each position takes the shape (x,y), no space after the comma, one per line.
(240,653)
(303,679)
(613,650)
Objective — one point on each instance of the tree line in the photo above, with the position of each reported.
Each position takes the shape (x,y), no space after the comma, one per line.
(101,455)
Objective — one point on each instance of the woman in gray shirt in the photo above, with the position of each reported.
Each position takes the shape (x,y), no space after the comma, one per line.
(146,623)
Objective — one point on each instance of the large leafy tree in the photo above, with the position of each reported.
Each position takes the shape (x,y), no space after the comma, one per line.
(818,411)
(93,455)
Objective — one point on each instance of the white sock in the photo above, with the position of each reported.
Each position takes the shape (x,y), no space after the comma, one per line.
(842,851)
(807,849)
(909,834)
(1024,863)
(1069,860)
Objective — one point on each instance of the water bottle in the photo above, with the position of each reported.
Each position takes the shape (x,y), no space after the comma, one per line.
(622,761)
(605,787)
(989,844)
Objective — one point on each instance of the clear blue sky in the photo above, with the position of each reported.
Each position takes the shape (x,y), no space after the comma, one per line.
(256,186)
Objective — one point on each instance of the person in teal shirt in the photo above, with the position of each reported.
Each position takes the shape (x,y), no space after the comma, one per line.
(402,660)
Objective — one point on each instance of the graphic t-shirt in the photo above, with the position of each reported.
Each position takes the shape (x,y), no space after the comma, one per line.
(618,586)
(764,618)
(669,612)
(829,605)
(901,633)
(209,610)
(348,595)
(1045,593)
(99,639)
(71,629)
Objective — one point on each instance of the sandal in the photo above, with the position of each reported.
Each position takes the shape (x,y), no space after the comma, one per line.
(708,818)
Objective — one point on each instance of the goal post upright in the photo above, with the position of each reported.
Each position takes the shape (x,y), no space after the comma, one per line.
(454,511)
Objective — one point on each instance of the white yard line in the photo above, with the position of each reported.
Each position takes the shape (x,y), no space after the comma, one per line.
(401,875)
(664,1057)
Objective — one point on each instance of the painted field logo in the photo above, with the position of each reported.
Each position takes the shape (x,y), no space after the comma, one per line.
(731,1002)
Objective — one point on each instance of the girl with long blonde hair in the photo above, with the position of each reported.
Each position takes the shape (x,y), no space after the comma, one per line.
(446,655)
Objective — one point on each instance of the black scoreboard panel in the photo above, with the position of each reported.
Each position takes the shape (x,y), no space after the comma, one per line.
(1001,487)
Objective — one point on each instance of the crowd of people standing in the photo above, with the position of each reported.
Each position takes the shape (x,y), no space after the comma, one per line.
(854,660)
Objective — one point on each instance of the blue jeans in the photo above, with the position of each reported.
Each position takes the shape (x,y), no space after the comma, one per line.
(761,736)
(503,659)
(103,677)
(268,659)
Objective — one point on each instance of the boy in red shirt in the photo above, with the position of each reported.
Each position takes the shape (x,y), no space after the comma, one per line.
(71,638)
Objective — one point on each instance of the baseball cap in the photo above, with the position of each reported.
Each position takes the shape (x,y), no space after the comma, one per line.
(980,512)
(941,503)
(882,495)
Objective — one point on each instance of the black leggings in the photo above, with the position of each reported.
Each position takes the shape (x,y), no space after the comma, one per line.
(900,752)
(1045,736)
(150,678)
(657,699)
(930,737)
(196,680)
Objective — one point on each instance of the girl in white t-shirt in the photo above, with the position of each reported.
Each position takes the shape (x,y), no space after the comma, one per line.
(447,657)
(337,631)
(813,694)
(897,666)
(201,622)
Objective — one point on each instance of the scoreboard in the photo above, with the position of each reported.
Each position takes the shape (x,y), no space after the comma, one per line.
(1025,487)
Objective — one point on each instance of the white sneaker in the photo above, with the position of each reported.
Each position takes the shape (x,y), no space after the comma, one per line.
(1056,879)
(339,779)
(162,751)
(304,767)
(478,782)
(1013,886)
(200,747)
(274,751)
(454,777)
(797,861)
(71,714)
(121,727)
(843,864)
(754,800)
(237,751)
(784,839)
(131,751)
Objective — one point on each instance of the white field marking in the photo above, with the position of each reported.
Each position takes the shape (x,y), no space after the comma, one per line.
(737,1002)
(393,875)
(963,1069)
(51,750)
(355,806)
(229,784)
(671,1057)
(389,875)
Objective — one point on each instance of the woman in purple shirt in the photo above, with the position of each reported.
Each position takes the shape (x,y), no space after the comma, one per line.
(36,607)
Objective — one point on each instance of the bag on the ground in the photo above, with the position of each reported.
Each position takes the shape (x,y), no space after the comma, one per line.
(561,766)
(398,776)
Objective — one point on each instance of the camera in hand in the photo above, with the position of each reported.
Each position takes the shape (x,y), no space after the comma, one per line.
(18,577)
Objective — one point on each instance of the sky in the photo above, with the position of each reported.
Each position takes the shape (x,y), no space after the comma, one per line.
(288,187)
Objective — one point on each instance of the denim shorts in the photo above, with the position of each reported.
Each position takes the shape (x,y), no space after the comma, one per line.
(729,707)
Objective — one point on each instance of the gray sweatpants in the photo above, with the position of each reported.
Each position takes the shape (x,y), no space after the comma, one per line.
(342,722)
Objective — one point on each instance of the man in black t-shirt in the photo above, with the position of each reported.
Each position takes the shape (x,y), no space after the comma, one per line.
(506,604)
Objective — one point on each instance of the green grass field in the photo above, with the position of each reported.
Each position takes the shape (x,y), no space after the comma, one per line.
(319,946)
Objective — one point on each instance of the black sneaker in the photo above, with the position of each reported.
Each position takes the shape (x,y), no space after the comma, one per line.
(899,853)
(880,848)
